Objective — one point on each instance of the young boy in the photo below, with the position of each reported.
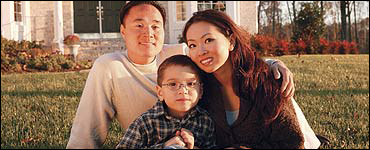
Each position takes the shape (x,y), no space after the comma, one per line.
(175,120)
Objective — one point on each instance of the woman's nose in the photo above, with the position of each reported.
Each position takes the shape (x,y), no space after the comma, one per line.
(203,50)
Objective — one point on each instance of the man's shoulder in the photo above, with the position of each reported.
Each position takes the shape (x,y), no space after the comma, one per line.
(114,56)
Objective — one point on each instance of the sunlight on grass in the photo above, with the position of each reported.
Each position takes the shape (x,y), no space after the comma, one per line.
(37,110)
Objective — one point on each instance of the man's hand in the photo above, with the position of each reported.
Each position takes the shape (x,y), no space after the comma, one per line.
(188,138)
(176,140)
(287,87)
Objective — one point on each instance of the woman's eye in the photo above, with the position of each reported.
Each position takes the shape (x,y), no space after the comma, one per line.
(208,40)
(191,46)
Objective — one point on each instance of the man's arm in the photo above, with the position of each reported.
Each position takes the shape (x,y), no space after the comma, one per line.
(95,112)
(277,67)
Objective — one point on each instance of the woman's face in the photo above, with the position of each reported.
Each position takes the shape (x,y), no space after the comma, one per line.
(208,47)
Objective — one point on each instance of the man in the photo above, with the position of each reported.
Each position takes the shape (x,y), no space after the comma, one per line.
(123,85)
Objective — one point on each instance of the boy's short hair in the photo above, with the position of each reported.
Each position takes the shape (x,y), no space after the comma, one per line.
(126,8)
(178,60)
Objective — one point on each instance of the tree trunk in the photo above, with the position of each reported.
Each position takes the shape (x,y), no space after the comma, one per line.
(259,17)
(322,7)
(349,21)
(273,18)
(354,11)
(343,19)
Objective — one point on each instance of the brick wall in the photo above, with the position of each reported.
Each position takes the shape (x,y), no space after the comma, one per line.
(42,20)
(248,15)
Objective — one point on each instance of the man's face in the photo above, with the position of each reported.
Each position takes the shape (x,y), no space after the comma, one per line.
(143,33)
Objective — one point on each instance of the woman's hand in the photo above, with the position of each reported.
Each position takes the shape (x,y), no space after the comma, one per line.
(287,87)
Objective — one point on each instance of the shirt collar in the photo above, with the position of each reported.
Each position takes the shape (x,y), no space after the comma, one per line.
(160,109)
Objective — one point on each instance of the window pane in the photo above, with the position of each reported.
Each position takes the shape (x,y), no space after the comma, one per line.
(18,11)
(215,5)
(180,11)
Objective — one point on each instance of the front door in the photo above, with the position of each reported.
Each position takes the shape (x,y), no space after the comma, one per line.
(97,19)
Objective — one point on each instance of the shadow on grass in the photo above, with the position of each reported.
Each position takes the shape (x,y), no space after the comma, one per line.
(50,93)
(350,92)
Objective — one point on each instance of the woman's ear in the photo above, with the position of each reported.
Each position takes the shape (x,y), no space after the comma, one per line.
(159,92)
(232,46)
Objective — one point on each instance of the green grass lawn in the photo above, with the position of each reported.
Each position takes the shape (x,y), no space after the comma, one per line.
(37,110)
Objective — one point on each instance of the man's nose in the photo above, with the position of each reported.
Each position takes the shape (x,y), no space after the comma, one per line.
(148,31)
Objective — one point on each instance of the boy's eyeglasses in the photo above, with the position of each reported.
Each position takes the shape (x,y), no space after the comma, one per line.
(174,86)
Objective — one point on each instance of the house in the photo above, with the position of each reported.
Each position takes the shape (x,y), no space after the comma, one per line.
(97,22)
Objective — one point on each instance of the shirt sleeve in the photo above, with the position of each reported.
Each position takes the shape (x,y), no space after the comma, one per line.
(95,110)
(270,61)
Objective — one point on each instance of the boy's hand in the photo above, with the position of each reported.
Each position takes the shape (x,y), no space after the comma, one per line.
(287,87)
(188,138)
(176,140)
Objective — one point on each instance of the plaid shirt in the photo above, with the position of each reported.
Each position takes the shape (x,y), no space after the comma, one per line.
(155,127)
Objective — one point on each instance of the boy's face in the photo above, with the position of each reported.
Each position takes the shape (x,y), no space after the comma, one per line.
(181,89)
(143,33)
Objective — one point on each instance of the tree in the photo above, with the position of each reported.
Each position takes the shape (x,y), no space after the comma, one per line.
(310,26)
(343,19)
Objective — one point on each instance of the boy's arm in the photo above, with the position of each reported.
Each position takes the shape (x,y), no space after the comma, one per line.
(95,111)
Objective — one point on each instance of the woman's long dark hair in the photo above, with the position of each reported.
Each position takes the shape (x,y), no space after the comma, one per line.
(252,79)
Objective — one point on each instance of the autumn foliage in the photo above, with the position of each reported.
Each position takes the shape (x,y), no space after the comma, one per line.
(269,46)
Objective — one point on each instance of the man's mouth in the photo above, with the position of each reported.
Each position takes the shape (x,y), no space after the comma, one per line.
(147,43)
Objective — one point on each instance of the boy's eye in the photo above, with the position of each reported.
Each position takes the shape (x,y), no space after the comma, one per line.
(173,84)
(191,84)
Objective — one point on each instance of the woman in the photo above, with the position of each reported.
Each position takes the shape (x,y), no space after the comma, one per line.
(250,111)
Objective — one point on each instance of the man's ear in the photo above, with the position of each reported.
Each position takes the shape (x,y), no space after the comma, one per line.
(122,30)
(159,92)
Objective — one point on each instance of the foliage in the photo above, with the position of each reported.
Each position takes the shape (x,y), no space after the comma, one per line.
(28,56)
(266,46)
(309,26)
(37,110)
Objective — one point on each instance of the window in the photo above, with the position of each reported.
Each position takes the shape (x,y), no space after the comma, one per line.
(18,11)
(216,5)
(180,10)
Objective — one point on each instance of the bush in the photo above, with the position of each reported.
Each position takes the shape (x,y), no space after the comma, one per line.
(29,56)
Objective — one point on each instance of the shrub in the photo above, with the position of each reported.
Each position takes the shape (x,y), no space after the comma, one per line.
(29,56)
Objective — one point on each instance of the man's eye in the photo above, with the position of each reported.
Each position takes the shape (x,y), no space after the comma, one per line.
(139,25)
